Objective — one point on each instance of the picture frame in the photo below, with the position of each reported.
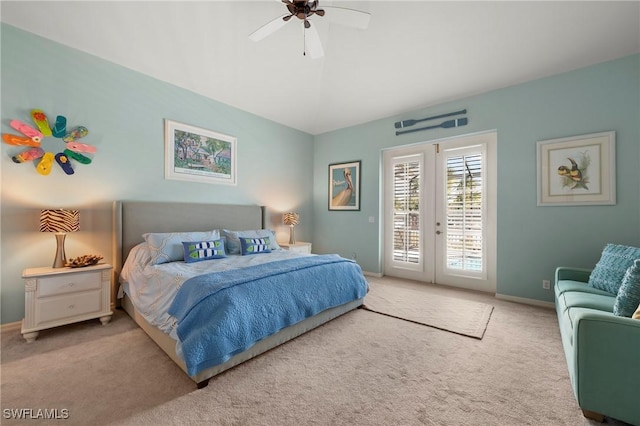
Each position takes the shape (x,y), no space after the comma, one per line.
(577,170)
(199,155)
(344,186)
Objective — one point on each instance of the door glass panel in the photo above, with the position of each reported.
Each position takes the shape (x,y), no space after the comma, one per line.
(464,207)
(406,212)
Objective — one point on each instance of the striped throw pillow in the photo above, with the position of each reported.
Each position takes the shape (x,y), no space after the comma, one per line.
(195,251)
(255,245)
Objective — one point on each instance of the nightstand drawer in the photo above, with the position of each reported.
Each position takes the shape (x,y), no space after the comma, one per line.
(55,308)
(68,283)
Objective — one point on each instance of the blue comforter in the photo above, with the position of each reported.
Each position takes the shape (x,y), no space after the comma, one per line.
(221,314)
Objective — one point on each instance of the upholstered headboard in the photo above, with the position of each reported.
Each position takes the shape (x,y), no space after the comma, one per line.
(131,219)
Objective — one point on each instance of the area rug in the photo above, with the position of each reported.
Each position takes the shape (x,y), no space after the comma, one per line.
(460,316)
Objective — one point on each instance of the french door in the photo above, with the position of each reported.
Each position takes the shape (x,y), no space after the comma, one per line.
(439,212)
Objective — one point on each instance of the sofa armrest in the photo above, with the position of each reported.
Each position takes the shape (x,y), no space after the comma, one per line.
(573,274)
(606,354)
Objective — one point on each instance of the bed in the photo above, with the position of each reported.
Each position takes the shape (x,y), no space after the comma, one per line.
(289,273)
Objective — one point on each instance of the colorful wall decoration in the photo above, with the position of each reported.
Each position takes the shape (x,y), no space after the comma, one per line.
(32,138)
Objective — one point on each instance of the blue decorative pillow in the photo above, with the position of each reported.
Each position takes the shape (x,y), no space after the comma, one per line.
(610,269)
(628,298)
(233,238)
(255,245)
(167,247)
(195,251)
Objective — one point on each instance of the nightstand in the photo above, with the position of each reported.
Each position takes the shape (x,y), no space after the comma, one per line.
(299,246)
(60,296)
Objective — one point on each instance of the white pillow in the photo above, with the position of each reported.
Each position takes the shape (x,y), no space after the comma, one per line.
(167,247)
(138,257)
(233,238)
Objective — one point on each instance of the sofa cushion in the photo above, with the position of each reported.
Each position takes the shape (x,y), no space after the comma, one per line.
(579,299)
(568,285)
(628,296)
(610,269)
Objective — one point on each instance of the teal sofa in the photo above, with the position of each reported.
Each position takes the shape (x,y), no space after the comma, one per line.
(602,349)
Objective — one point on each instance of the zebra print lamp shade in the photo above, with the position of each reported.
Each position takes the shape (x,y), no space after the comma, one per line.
(59,221)
(291,219)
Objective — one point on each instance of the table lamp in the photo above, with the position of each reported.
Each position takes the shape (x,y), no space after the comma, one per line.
(291,219)
(59,221)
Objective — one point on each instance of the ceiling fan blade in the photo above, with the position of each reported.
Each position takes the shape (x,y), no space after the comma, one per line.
(348,17)
(269,28)
(312,42)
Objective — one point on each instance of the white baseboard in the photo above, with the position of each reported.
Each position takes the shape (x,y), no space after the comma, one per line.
(526,301)
(372,274)
(10,326)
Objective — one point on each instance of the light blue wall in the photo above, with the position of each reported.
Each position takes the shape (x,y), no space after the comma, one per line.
(124,112)
(532,240)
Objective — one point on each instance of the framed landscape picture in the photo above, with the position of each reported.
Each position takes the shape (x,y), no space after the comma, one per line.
(577,170)
(344,186)
(199,155)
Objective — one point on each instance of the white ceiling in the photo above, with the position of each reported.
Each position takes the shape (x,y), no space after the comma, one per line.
(414,54)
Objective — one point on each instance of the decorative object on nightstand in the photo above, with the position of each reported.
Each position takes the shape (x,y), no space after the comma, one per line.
(59,221)
(60,296)
(299,246)
(291,219)
(84,261)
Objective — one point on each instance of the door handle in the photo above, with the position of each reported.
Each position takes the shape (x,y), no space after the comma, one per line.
(438,232)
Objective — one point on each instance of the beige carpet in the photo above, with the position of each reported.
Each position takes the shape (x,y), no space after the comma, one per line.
(456,315)
(359,369)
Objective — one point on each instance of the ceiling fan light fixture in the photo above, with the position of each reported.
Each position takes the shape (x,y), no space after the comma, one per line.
(304,9)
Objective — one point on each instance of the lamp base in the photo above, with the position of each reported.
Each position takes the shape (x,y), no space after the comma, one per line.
(61,259)
(292,238)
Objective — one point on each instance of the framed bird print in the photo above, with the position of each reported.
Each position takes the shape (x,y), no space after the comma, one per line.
(344,186)
(577,170)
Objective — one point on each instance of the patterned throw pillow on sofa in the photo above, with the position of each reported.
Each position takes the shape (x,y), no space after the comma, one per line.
(610,270)
(629,294)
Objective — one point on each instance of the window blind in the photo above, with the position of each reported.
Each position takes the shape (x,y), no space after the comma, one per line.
(406,212)
(464,210)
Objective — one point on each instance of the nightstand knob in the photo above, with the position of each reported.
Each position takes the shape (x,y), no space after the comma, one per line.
(71,284)
(71,306)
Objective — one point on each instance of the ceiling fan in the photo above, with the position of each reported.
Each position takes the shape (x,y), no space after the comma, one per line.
(303,10)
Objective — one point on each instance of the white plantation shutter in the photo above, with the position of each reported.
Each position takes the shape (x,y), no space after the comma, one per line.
(464,212)
(440,211)
(407,233)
